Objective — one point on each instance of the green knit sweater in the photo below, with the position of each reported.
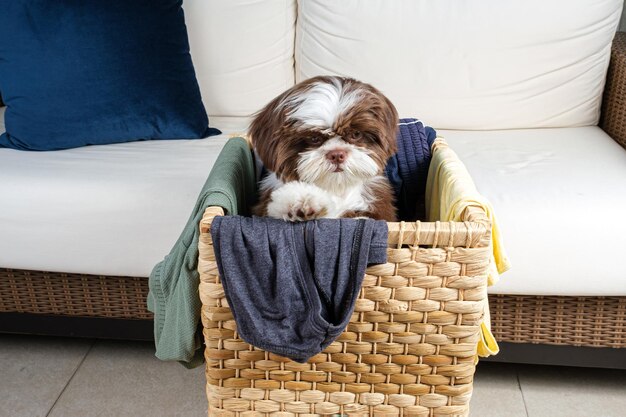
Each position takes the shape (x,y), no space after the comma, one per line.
(173,296)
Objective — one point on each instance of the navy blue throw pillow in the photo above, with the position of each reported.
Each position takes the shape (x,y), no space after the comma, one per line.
(91,72)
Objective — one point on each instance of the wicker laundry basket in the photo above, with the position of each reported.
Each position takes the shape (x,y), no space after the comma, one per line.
(409,349)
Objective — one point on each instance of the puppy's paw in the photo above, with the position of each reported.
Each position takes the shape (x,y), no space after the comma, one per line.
(306,209)
(297,201)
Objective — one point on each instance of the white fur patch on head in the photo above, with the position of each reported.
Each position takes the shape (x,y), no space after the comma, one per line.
(315,168)
(321,104)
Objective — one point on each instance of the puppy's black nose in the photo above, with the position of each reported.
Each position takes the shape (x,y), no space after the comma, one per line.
(336,156)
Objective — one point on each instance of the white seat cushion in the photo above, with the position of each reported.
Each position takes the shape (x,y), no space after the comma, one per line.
(559,196)
(473,65)
(110,210)
(118,209)
(242,52)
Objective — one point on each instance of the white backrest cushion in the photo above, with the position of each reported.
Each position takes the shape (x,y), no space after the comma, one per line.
(467,64)
(242,51)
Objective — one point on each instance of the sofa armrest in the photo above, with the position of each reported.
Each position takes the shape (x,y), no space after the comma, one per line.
(613,116)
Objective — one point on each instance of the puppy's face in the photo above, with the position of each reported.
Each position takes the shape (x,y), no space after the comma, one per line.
(329,131)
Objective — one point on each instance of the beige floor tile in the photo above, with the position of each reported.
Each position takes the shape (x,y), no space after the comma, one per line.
(573,392)
(121,379)
(496,392)
(34,370)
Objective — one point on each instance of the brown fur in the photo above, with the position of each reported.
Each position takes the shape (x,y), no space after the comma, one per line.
(260,208)
(383,207)
(279,141)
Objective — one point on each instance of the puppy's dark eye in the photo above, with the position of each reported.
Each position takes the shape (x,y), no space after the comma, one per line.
(356,135)
(315,140)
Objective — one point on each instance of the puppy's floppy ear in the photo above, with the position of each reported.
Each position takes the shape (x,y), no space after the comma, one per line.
(265,132)
(390,120)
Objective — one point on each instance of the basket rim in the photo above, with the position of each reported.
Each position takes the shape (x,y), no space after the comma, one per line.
(473,232)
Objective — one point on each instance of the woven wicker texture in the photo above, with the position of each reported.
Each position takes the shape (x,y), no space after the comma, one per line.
(409,348)
(64,294)
(613,119)
(574,321)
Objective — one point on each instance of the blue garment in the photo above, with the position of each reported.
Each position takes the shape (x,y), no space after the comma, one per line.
(291,293)
(408,168)
(76,72)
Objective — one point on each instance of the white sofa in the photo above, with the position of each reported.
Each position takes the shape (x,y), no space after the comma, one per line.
(514,87)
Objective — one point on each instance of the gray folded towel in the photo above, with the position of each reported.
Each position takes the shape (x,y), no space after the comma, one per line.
(292,286)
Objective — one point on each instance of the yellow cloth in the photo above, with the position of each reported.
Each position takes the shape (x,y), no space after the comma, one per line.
(449,191)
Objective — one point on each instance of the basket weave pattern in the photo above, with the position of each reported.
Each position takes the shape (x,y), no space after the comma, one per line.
(613,118)
(408,350)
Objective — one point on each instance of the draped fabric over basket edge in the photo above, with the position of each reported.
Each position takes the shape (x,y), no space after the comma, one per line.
(448,175)
(173,296)
(290,292)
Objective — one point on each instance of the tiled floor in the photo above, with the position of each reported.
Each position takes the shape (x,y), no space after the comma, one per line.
(43,376)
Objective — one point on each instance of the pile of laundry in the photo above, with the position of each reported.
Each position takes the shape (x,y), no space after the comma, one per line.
(290,292)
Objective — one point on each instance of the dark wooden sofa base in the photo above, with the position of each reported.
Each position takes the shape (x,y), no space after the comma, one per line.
(72,326)
(561,355)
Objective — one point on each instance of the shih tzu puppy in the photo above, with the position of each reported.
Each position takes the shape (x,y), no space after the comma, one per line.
(325,142)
